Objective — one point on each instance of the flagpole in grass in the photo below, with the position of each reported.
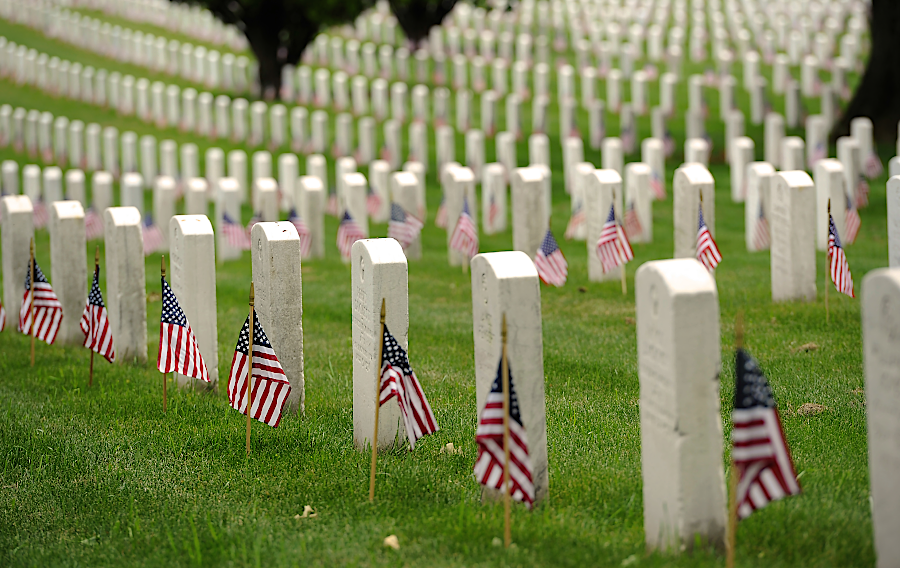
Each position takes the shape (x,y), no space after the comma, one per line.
(31,301)
(507,490)
(377,405)
(250,371)
(732,493)
(93,331)
(828,266)
(162,271)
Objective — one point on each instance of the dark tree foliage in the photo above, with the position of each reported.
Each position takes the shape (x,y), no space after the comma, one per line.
(878,93)
(416,17)
(279,30)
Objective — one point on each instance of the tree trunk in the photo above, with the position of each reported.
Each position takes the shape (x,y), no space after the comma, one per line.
(878,93)
(265,47)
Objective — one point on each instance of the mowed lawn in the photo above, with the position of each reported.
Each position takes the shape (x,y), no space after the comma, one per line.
(100,476)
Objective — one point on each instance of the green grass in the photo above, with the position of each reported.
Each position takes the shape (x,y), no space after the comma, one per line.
(101,476)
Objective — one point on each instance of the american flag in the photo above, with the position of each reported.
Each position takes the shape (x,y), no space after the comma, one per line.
(332,206)
(760,453)
(874,167)
(403,226)
(440,220)
(491,455)
(668,143)
(575,222)
(613,247)
(94,322)
(862,193)
(2,317)
(840,269)
(707,251)
(399,381)
(465,236)
(633,226)
(761,236)
(47,308)
(656,185)
(40,215)
(270,386)
(373,202)
(348,233)
(257,217)
(493,209)
(819,153)
(235,234)
(152,235)
(550,263)
(93,225)
(851,223)
(178,349)
(626,134)
(303,231)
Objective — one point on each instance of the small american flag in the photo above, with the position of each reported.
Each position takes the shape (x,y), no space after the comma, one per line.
(270,386)
(626,134)
(303,231)
(633,226)
(403,226)
(613,247)
(178,349)
(874,167)
(332,206)
(668,143)
(40,215)
(47,308)
(761,235)
(819,153)
(2,317)
(707,251)
(851,223)
(235,234)
(656,185)
(493,210)
(348,233)
(550,263)
(491,455)
(651,71)
(257,217)
(760,453)
(94,322)
(399,381)
(93,225)
(862,193)
(152,235)
(575,222)
(373,202)
(440,220)
(465,237)
(840,269)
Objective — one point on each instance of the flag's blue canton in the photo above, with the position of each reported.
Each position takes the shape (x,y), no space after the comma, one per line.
(39,276)
(752,388)
(833,230)
(700,222)
(549,246)
(612,215)
(148,221)
(466,207)
(393,354)
(347,217)
(227,219)
(95,298)
(259,336)
(497,387)
(293,215)
(171,310)
(397,213)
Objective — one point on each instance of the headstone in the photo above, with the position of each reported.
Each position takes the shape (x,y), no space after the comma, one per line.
(126,291)
(849,155)
(228,202)
(460,188)
(237,170)
(506,284)
(681,445)
(829,181)
(10,180)
(101,191)
(53,188)
(196,196)
(164,195)
(793,226)
(696,150)
(742,154)
(792,153)
(530,216)
(265,191)
(75,190)
(310,197)
(379,177)
(493,198)
(275,252)
(816,140)
(131,192)
(475,151)
(893,215)
(404,192)
(192,270)
(379,272)
(611,155)
(639,197)
(774,133)
(757,179)
(355,190)
(691,181)
(16,233)
(602,191)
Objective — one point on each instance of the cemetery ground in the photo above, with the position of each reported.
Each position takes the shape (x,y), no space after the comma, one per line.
(100,476)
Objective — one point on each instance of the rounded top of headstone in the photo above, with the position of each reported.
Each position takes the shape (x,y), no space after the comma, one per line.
(66,210)
(404,178)
(191,225)
(766,169)
(680,275)
(266,184)
(166,183)
(275,231)
(311,183)
(355,179)
(607,176)
(132,179)
(695,173)
(378,251)
(122,216)
(637,168)
(74,175)
(795,179)
(506,264)
(16,204)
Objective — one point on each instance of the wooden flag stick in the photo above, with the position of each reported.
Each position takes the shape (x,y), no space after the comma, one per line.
(377,406)
(162,271)
(732,493)
(94,331)
(31,301)
(507,490)
(250,370)
(828,265)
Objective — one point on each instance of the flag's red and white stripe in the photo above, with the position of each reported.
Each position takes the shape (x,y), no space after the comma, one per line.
(839,267)
(576,221)
(270,387)
(874,167)
(93,225)
(399,381)
(178,349)
(465,236)
(707,251)
(303,232)
(47,310)
(851,225)
(348,233)
(656,185)
(761,236)
(2,317)
(153,238)
(613,247)
(40,215)
(95,324)
(633,227)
